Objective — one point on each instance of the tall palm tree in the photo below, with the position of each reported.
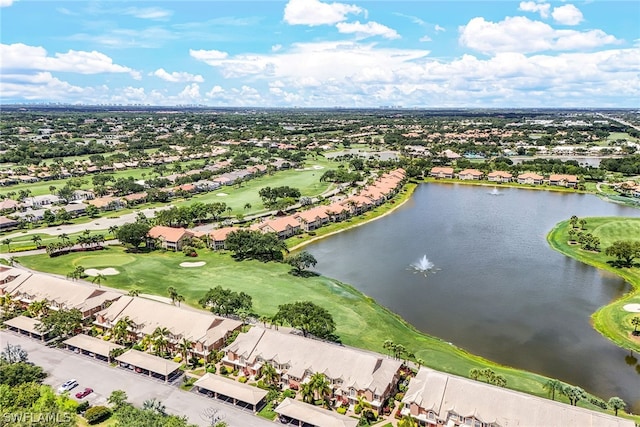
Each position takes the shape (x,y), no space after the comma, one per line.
(38,308)
(635,322)
(173,293)
(551,386)
(98,278)
(185,346)
(36,239)
(320,385)
(8,243)
(179,299)
(112,230)
(388,345)
(269,374)
(120,331)
(161,339)
(306,391)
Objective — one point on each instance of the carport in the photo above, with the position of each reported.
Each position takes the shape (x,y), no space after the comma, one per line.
(152,365)
(225,389)
(93,347)
(303,414)
(26,326)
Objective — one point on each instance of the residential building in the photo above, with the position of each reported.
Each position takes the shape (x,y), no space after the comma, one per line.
(436,398)
(351,372)
(530,178)
(206,331)
(563,180)
(499,176)
(313,218)
(470,174)
(218,237)
(170,238)
(284,227)
(441,172)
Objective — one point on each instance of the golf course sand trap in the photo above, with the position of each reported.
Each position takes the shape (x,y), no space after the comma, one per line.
(192,264)
(105,272)
(633,308)
(221,194)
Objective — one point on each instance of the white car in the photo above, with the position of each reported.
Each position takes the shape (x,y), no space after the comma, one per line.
(67,385)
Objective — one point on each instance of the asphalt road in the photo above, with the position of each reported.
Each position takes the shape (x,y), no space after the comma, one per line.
(62,365)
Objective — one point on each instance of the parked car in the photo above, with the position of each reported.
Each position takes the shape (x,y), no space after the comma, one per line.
(86,392)
(67,385)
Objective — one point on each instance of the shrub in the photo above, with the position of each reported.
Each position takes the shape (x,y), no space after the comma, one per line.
(137,347)
(289,393)
(177,359)
(211,369)
(223,370)
(82,407)
(341,410)
(201,362)
(242,380)
(235,372)
(357,409)
(399,396)
(97,414)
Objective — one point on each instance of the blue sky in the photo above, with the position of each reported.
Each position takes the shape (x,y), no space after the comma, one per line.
(313,53)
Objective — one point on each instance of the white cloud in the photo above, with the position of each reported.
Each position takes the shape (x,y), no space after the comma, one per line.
(155,13)
(208,55)
(215,91)
(177,77)
(22,58)
(535,7)
(42,86)
(6,3)
(439,29)
(425,39)
(314,12)
(520,34)
(276,47)
(122,38)
(369,29)
(567,15)
(190,94)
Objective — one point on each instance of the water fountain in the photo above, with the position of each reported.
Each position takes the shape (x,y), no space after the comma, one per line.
(424,266)
(495,192)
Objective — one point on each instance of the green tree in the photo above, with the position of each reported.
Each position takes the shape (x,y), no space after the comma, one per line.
(62,323)
(173,293)
(308,318)
(616,404)
(117,399)
(574,394)
(250,244)
(121,330)
(635,322)
(321,386)
(92,211)
(551,386)
(185,347)
(37,240)
(134,234)
(225,301)
(13,374)
(625,251)
(269,374)
(13,354)
(8,243)
(301,261)
(98,278)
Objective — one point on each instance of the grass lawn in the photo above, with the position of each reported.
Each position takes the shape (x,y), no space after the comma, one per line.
(361,322)
(611,320)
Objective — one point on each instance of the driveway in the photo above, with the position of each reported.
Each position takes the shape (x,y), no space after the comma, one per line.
(62,365)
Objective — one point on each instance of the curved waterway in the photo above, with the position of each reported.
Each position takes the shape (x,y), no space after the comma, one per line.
(496,288)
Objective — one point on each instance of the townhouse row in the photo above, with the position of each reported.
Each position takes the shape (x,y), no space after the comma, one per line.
(561,180)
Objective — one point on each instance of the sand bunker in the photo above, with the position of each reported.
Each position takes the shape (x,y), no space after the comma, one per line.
(221,194)
(192,264)
(105,272)
(318,167)
(633,308)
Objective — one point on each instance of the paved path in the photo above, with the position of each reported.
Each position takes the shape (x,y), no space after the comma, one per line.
(103,378)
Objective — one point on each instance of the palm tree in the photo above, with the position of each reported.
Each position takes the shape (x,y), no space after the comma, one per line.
(120,331)
(154,405)
(306,391)
(269,374)
(616,404)
(179,299)
(552,386)
(173,293)
(36,239)
(112,230)
(420,362)
(134,292)
(407,421)
(98,278)
(8,243)
(64,237)
(388,345)
(635,322)
(474,373)
(185,346)
(320,386)
(38,308)
(160,339)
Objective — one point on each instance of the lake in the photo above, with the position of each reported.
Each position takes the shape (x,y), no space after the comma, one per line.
(497,289)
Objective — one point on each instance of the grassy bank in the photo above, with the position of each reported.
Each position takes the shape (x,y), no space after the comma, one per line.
(361,321)
(611,320)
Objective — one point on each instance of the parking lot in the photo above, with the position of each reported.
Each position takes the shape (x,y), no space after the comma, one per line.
(62,365)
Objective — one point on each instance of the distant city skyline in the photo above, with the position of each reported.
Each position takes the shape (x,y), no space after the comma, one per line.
(312,53)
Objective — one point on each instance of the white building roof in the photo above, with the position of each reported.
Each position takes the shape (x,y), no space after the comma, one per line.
(92,344)
(316,416)
(149,362)
(242,392)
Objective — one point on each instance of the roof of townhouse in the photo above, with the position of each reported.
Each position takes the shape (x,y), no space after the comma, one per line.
(359,369)
(101,202)
(277,224)
(570,178)
(149,315)
(474,172)
(312,214)
(7,221)
(68,294)
(170,234)
(441,169)
(335,208)
(357,199)
(443,393)
(8,204)
(531,175)
(221,234)
(499,173)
